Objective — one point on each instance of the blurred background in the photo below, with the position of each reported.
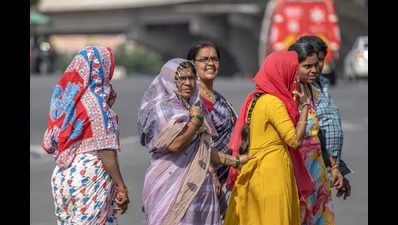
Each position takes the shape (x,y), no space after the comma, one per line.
(144,34)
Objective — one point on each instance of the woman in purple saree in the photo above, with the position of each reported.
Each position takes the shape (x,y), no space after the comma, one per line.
(178,187)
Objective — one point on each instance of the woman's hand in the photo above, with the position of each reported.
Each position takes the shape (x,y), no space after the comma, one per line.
(195,110)
(300,94)
(245,158)
(122,201)
(337,178)
(215,180)
(344,191)
(217,184)
(111,166)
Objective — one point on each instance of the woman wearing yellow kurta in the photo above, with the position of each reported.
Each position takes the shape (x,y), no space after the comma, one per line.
(265,191)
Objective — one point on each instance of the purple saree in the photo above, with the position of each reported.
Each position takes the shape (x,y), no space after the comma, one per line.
(178,187)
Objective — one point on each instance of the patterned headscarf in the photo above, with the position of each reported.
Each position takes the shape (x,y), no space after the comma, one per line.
(80,119)
(161,103)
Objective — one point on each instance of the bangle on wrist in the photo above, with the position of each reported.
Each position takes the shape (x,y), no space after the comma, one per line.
(197,116)
(122,190)
(196,124)
(237,162)
(305,104)
(334,166)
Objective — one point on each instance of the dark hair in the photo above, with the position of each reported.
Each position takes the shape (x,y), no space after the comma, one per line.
(245,132)
(187,64)
(318,44)
(303,49)
(199,45)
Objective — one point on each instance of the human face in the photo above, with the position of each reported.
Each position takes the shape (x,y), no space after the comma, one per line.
(207,63)
(185,82)
(308,69)
(321,58)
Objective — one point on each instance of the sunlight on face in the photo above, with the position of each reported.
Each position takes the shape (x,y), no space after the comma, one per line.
(308,69)
(207,63)
(185,82)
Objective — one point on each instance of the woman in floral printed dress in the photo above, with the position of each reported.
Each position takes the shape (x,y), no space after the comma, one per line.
(83,137)
(316,209)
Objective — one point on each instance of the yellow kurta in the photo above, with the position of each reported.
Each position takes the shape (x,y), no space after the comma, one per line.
(265,191)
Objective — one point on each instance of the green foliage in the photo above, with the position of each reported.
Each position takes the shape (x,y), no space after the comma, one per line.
(137,59)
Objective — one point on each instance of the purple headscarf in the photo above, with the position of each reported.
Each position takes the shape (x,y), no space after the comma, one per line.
(174,181)
(161,103)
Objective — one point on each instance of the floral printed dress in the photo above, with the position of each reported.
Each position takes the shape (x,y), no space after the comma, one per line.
(318,208)
(84,193)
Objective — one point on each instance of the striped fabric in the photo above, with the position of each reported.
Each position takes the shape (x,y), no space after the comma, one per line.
(163,181)
(223,117)
(204,208)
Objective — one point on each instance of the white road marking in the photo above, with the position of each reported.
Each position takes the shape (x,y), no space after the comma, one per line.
(38,152)
(347,126)
(129,140)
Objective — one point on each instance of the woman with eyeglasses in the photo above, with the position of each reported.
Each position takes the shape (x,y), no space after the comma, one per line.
(178,187)
(206,57)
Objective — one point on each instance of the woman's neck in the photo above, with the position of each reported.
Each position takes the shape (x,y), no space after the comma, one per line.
(183,99)
(206,84)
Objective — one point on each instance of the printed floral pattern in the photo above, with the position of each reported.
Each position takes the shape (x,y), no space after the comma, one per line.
(318,208)
(84,193)
(80,119)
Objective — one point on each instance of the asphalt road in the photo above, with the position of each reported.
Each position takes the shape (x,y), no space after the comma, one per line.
(351,97)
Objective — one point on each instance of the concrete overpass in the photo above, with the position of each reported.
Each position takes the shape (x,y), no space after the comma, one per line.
(167,26)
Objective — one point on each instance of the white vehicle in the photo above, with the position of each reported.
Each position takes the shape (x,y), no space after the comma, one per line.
(356,61)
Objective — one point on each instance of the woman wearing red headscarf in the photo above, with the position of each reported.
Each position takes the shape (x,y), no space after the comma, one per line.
(267,189)
(83,136)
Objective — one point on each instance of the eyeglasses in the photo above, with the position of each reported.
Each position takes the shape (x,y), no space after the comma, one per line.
(214,59)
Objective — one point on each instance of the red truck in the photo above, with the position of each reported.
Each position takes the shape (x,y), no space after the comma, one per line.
(287,20)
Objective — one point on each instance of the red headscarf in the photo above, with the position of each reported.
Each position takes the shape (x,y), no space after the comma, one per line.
(80,119)
(276,77)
